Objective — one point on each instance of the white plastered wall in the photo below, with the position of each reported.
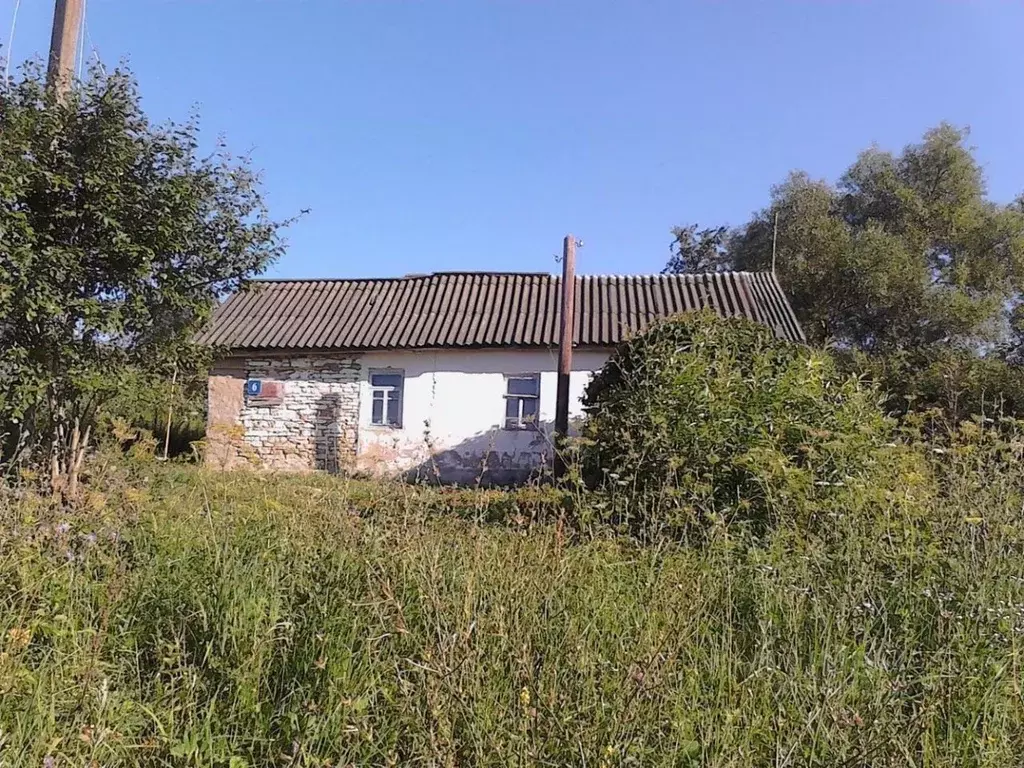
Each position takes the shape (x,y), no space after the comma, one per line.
(453,412)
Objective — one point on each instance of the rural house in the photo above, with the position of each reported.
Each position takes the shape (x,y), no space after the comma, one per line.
(450,376)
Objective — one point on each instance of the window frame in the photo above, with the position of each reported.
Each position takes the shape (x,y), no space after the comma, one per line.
(385,413)
(519,423)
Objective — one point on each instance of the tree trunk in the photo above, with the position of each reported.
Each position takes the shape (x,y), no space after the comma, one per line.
(77,456)
(67,452)
(56,446)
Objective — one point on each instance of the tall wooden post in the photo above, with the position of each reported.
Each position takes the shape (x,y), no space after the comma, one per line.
(565,351)
(67,21)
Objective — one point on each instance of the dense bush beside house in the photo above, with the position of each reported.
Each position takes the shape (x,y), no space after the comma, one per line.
(700,419)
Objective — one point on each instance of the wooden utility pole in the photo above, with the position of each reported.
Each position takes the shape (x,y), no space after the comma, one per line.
(565,351)
(67,22)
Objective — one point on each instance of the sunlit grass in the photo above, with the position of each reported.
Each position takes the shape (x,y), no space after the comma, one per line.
(190,619)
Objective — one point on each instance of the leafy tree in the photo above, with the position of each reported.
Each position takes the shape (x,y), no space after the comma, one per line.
(116,238)
(698,251)
(904,255)
(905,250)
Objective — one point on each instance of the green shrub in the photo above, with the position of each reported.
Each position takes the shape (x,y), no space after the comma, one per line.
(955,382)
(701,418)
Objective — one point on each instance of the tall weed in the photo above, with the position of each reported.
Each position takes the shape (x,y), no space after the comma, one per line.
(190,619)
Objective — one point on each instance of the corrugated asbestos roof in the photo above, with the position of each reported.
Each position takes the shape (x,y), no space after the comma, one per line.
(479,309)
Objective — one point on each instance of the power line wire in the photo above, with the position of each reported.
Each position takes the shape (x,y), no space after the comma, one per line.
(87,40)
(10,42)
(81,38)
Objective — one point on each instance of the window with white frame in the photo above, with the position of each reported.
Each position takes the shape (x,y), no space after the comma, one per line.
(522,400)
(386,397)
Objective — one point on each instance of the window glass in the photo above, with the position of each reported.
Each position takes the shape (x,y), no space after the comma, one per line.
(522,401)
(386,398)
(523,386)
(530,409)
(394,408)
(386,380)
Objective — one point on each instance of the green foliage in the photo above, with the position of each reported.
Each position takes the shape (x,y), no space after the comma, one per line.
(698,251)
(517,507)
(116,238)
(144,400)
(906,254)
(718,418)
(905,251)
(240,619)
(952,380)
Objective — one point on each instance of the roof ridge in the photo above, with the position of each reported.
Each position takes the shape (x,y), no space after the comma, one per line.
(496,273)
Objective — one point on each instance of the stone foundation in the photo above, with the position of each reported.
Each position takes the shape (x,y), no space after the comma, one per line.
(314,427)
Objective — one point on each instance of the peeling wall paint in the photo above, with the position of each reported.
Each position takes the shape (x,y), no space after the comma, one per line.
(454,409)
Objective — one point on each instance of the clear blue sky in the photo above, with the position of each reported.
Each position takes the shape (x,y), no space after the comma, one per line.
(438,135)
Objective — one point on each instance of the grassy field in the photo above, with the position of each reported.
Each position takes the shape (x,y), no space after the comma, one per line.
(188,619)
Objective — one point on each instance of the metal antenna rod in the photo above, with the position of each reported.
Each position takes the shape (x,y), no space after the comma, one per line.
(775,236)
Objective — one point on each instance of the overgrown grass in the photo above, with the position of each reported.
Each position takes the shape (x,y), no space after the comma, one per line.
(191,619)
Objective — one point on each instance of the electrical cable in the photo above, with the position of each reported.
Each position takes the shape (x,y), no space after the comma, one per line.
(10,42)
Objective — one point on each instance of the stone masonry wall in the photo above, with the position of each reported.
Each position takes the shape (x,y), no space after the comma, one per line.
(314,427)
